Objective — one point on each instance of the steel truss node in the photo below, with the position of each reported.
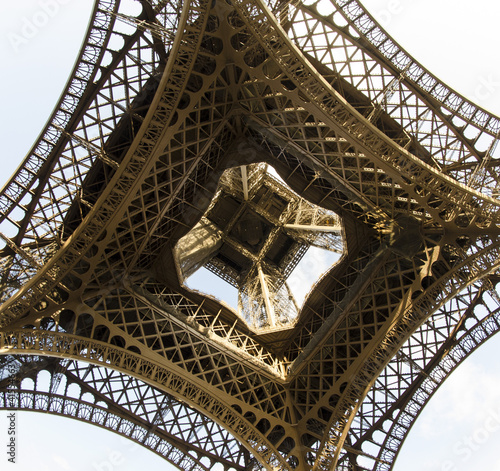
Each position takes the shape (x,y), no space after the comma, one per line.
(156,162)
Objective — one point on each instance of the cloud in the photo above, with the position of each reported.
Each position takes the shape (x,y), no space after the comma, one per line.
(316,261)
(62,462)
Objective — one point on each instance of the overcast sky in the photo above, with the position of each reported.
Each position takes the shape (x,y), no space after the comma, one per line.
(457,40)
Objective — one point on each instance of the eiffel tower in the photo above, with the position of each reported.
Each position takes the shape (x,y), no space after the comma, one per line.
(238,138)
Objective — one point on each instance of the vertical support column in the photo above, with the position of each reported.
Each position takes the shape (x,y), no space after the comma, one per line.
(244,180)
(267,299)
(292,297)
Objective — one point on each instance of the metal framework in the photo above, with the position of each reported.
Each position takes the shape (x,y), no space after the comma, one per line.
(253,235)
(154,164)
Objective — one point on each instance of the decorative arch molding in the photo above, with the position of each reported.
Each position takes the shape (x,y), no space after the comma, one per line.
(70,105)
(67,346)
(362,26)
(230,74)
(112,400)
(424,362)
(462,342)
(414,309)
(175,381)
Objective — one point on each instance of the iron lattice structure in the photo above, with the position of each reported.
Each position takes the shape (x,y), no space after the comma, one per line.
(158,107)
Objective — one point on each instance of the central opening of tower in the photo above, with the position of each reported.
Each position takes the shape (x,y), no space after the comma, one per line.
(265,241)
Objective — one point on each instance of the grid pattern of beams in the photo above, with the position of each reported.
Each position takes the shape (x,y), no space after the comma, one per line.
(159,106)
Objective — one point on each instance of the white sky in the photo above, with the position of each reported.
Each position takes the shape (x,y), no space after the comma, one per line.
(456,41)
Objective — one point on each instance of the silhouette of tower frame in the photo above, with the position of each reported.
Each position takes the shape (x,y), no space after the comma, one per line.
(158,107)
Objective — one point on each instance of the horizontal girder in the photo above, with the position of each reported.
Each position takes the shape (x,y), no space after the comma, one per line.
(132,160)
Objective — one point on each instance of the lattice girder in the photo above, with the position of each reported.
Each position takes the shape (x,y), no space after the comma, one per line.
(328,107)
(130,336)
(412,309)
(121,404)
(163,379)
(109,204)
(400,87)
(418,171)
(426,177)
(115,73)
(430,355)
(228,89)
